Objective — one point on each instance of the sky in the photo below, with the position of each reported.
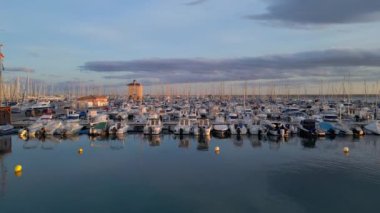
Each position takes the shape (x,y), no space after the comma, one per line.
(187,41)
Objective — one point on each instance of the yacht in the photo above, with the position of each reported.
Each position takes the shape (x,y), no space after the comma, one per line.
(183,127)
(153,126)
(202,127)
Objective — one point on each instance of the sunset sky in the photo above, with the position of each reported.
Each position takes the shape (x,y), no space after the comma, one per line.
(185,41)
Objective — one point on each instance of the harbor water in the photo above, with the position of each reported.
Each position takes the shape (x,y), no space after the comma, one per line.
(168,173)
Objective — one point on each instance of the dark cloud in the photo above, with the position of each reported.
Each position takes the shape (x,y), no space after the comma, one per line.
(319,64)
(19,69)
(195,2)
(321,12)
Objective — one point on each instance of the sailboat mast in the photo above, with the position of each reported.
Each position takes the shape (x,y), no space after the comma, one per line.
(1,75)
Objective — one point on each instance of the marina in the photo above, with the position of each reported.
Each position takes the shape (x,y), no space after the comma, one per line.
(189,106)
(249,174)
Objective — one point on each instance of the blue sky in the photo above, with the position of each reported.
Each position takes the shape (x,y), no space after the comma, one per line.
(167,41)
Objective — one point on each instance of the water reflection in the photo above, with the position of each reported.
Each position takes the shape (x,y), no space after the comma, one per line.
(5,145)
(255,142)
(113,142)
(238,140)
(308,142)
(5,148)
(31,144)
(154,140)
(203,143)
(184,141)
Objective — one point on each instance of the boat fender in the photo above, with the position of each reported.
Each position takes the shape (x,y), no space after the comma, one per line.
(346,150)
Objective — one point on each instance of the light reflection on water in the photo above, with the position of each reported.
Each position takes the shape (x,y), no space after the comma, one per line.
(169,173)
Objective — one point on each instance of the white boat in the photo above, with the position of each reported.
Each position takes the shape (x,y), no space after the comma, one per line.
(342,129)
(99,128)
(232,118)
(330,118)
(183,127)
(98,124)
(153,125)
(257,128)
(51,126)
(35,128)
(6,129)
(69,127)
(277,129)
(373,127)
(72,115)
(118,128)
(221,129)
(202,127)
(238,129)
(254,129)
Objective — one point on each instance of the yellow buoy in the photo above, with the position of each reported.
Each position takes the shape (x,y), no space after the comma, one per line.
(346,149)
(18,168)
(80,151)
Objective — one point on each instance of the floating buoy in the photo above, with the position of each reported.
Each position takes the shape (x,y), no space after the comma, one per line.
(346,149)
(217,150)
(18,168)
(80,151)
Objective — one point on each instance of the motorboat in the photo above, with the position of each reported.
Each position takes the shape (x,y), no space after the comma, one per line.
(373,127)
(238,129)
(51,126)
(98,124)
(183,127)
(118,128)
(257,127)
(153,126)
(7,129)
(277,129)
(202,127)
(70,128)
(330,118)
(308,128)
(220,129)
(342,129)
(37,127)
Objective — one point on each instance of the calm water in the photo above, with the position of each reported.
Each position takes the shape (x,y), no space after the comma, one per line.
(169,174)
